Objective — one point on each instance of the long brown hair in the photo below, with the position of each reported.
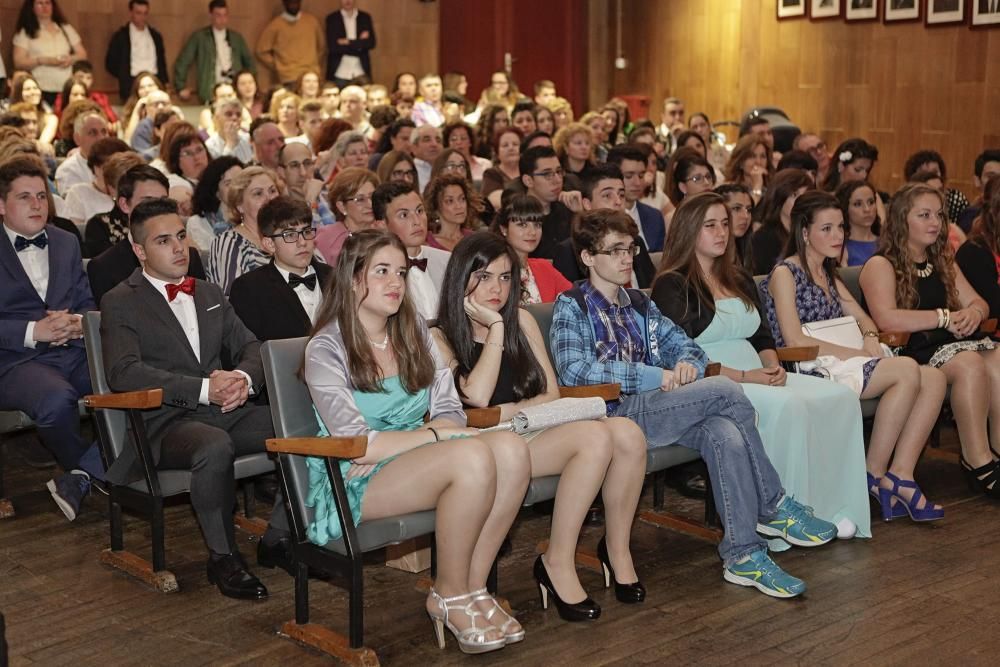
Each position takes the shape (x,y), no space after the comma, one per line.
(986,228)
(679,253)
(803,216)
(893,246)
(744,149)
(407,333)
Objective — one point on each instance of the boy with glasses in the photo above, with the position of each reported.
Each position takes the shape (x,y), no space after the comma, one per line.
(281,299)
(542,176)
(603,333)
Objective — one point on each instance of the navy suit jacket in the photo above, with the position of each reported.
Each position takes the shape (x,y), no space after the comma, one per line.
(19,302)
(335,30)
(652,227)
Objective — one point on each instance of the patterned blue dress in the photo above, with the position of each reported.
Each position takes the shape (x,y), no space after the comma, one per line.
(812,304)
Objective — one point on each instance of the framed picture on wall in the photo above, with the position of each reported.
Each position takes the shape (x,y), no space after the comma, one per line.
(788,9)
(861,10)
(824,9)
(944,12)
(985,13)
(901,10)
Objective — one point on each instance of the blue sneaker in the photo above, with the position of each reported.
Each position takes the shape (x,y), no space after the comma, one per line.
(69,490)
(796,524)
(759,571)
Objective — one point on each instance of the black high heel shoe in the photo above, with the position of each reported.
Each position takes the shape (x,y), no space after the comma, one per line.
(627,593)
(984,479)
(588,610)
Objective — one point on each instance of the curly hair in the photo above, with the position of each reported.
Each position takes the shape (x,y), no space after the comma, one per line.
(894,246)
(434,193)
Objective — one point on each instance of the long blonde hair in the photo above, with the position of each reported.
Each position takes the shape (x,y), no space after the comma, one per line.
(894,246)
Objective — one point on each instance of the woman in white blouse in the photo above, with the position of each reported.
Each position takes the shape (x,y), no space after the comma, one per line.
(46,45)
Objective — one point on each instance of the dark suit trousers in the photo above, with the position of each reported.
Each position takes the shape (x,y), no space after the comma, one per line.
(206,443)
(47,389)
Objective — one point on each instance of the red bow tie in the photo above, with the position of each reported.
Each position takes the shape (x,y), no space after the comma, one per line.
(186,286)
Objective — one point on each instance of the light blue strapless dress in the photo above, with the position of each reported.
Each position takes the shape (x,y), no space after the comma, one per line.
(393,409)
(811,427)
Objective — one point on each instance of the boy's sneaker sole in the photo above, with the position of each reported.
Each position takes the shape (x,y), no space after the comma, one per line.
(749,582)
(775,532)
(66,508)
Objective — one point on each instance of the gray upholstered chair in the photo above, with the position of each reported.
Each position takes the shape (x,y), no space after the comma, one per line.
(118,418)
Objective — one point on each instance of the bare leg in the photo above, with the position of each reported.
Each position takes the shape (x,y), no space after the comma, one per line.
(897,384)
(992,363)
(622,488)
(924,414)
(970,403)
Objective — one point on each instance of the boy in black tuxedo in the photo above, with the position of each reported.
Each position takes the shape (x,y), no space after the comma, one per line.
(281,300)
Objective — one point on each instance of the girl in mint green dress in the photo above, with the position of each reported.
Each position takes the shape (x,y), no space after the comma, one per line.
(811,427)
(373,371)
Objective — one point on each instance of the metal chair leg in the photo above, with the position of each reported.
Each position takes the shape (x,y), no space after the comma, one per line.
(156,521)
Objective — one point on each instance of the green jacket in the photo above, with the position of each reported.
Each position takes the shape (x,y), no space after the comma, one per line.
(200,50)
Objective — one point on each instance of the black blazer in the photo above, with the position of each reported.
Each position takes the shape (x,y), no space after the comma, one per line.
(144,346)
(679,301)
(118,61)
(566,262)
(119,261)
(269,307)
(980,269)
(335,30)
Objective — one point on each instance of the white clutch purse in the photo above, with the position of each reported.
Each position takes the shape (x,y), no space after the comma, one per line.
(554,413)
(843,331)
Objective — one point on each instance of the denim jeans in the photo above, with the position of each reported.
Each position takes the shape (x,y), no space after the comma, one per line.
(714,417)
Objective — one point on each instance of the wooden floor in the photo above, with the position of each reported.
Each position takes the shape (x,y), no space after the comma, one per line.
(912,595)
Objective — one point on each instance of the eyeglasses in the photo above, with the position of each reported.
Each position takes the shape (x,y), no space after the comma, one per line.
(359,199)
(699,178)
(549,174)
(193,152)
(305,164)
(292,235)
(619,253)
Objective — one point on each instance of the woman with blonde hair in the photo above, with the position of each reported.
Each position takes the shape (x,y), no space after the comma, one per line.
(285,110)
(574,144)
(562,112)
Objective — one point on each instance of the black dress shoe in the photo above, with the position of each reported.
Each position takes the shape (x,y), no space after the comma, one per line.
(279,554)
(587,610)
(233,578)
(627,593)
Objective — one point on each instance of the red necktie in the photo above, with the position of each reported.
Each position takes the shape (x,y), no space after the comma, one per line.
(186,286)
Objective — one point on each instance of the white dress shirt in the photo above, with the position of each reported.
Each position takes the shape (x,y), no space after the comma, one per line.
(423,173)
(223,55)
(142,55)
(84,201)
(425,286)
(350,66)
(309,298)
(73,170)
(35,262)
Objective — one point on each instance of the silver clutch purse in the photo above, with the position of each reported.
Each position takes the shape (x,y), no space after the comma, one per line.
(554,413)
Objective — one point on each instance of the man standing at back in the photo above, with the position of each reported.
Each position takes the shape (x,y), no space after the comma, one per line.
(217,53)
(350,35)
(292,44)
(135,47)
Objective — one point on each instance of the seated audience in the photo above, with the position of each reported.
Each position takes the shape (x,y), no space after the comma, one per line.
(296,166)
(522,116)
(701,289)
(186,158)
(248,92)
(811,143)
(103,230)
(373,371)
(205,421)
(397,166)
(574,145)
(604,333)
(210,214)
(285,110)
(395,138)
(498,357)
(453,209)
(633,164)
(85,200)
(520,222)
(228,137)
(507,148)
(749,165)
(426,147)
(858,202)
(399,207)
(239,249)
(912,284)
(43,365)
(25,90)
(717,153)
(855,159)
(799,160)
(350,197)
(542,177)
(740,206)
(987,166)
(774,215)
(462,138)
(544,120)
(492,119)
(429,110)
(687,173)
(281,299)
(88,129)
(267,142)
(979,257)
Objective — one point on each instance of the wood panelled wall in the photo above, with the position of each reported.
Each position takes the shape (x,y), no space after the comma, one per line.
(406,30)
(901,86)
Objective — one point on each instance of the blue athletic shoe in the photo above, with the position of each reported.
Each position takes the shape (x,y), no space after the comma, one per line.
(796,524)
(759,571)
(69,490)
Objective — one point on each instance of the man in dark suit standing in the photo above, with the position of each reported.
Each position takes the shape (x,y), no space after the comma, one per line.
(117,263)
(350,35)
(136,47)
(43,365)
(281,299)
(161,328)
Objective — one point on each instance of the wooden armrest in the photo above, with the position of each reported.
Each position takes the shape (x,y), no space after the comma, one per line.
(347,447)
(128,400)
(801,353)
(609,391)
(482,417)
(713,369)
(894,338)
(988,326)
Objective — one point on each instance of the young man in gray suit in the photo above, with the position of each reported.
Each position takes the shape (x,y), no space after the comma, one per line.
(160,328)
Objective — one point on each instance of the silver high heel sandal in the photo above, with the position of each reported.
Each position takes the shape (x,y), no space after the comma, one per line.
(472,639)
(497,610)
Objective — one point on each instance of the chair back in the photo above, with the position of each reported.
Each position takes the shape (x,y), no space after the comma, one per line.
(292,414)
(851,275)
(112,424)
(542,312)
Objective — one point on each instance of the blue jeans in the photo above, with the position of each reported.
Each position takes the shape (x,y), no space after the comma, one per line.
(714,417)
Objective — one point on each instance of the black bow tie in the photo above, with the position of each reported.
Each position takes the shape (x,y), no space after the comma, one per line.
(419,263)
(296,280)
(21,243)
